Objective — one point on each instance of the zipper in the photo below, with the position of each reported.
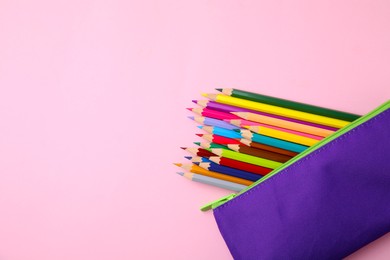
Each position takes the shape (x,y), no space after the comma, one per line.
(357,122)
(216,203)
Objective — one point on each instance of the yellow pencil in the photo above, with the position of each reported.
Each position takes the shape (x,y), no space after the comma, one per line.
(285,136)
(281,111)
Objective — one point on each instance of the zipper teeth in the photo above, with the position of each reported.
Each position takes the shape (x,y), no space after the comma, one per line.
(316,146)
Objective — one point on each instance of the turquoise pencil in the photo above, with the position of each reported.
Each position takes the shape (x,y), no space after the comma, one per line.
(262,139)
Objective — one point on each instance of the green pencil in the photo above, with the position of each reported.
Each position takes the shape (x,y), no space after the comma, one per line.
(207,145)
(246,158)
(289,104)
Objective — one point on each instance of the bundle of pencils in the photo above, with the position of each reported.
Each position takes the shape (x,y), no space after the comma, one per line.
(248,135)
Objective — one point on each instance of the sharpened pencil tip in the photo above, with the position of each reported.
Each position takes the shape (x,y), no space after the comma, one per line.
(197,143)
(183,148)
(204,94)
(178,164)
(195,101)
(219,89)
(191,117)
(180,173)
(189,108)
(196,163)
(200,126)
(188,157)
(200,135)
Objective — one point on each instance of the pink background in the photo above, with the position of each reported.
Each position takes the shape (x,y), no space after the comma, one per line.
(92,98)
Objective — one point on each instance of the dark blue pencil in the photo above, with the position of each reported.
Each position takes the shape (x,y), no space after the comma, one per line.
(197,159)
(229,171)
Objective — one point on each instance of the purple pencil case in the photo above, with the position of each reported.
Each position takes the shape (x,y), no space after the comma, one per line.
(326,203)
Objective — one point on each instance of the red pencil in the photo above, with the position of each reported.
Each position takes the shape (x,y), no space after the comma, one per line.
(240,165)
(218,139)
(213,113)
(198,151)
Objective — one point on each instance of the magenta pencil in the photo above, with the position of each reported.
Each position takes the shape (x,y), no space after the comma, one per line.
(213,113)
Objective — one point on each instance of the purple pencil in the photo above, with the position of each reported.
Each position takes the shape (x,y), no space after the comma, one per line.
(227,108)
(214,122)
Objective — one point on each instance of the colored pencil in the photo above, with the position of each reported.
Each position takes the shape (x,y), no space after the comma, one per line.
(197,159)
(267,147)
(213,113)
(298,139)
(277,110)
(289,104)
(229,109)
(207,145)
(251,134)
(213,122)
(284,124)
(218,139)
(221,131)
(213,181)
(198,151)
(199,170)
(246,158)
(259,153)
(229,171)
(273,141)
(254,125)
(240,165)
(241,122)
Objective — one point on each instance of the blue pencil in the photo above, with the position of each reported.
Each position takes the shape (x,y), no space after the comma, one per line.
(229,171)
(262,139)
(221,131)
(197,159)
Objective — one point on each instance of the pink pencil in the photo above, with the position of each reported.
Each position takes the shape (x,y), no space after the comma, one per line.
(245,123)
(213,113)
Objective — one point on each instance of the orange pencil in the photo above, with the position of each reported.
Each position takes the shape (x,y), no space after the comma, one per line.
(199,170)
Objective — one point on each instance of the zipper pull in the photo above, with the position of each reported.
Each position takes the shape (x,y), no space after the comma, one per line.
(216,203)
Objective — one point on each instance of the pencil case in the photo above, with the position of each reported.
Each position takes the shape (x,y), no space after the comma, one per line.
(325,203)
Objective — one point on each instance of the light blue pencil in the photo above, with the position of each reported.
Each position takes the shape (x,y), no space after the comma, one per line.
(221,131)
(213,181)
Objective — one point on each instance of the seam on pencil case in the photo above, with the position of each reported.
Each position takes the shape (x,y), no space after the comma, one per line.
(299,163)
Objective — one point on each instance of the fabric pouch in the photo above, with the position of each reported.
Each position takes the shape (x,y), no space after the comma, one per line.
(326,203)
